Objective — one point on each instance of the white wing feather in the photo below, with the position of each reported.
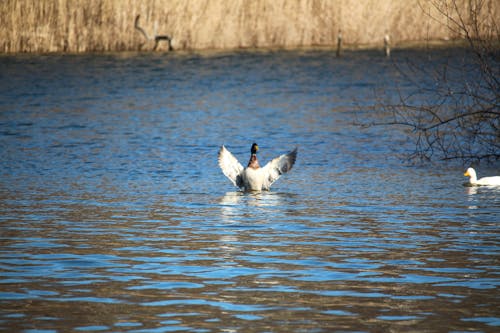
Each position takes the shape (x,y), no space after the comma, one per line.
(230,166)
(278,166)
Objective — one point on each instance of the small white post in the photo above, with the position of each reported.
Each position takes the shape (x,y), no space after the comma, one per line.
(387,45)
(339,43)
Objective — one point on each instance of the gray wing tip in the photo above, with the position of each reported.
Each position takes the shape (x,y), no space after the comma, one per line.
(221,151)
(292,156)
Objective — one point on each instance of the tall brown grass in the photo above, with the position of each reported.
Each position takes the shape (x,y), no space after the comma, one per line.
(108,25)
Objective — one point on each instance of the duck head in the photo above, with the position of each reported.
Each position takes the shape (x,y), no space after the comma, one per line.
(254,148)
(472,174)
(254,163)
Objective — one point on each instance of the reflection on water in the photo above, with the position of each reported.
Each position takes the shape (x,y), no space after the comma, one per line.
(478,195)
(116,217)
(258,199)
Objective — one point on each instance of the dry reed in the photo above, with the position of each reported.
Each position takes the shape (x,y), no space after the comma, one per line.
(108,25)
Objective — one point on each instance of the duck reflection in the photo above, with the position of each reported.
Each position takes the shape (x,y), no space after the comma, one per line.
(259,199)
(477,194)
(231,198)
(258,207)
(236,203)
(471,192)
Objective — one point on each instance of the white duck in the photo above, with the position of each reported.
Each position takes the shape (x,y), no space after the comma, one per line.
(488,181)
(253,177)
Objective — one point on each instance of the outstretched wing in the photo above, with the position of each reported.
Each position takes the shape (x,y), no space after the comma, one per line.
(230,166)
(278,166)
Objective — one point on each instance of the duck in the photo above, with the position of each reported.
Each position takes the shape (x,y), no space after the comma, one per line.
(254,177)
(486,181)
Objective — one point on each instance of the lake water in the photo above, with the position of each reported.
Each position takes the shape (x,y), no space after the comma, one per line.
(115,217)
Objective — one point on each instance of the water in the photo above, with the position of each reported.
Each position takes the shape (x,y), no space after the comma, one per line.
(116,218)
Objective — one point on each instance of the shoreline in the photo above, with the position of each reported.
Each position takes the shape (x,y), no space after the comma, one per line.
(347,47)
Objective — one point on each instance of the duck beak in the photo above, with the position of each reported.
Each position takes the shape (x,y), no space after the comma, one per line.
(466,174)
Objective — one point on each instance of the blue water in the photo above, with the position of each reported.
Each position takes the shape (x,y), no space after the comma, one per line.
(115,217)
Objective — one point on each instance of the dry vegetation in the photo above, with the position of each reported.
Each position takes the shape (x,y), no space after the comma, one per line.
(89,25)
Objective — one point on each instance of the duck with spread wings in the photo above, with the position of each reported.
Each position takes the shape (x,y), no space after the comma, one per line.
(254,177)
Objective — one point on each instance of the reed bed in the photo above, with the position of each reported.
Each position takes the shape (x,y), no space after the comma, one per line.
(108,25)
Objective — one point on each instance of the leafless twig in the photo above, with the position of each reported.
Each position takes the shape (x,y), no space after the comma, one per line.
(458,116)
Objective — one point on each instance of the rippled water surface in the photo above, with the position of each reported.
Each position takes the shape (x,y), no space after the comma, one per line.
(114,215)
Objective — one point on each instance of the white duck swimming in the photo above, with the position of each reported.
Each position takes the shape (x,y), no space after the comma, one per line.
(253,177)
(487,181)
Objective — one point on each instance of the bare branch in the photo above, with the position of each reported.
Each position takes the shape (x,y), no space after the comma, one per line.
(458,117)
